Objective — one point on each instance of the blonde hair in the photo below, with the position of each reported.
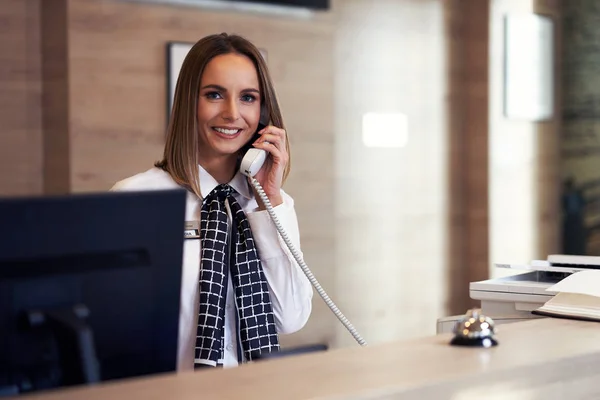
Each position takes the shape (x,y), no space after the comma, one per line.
(180,156)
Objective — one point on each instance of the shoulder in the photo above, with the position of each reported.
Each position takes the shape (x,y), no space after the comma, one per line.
(154,178)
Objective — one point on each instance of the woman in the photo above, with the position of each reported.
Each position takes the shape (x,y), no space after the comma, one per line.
(240,284)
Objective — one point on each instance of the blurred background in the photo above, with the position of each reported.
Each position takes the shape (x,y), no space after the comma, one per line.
(430,138)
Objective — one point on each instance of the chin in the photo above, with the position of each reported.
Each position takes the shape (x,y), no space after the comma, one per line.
(227,150)
(222,147)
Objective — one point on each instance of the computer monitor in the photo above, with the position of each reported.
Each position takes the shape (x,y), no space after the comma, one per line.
(89,287)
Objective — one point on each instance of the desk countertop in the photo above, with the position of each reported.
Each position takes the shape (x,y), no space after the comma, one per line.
(543,358)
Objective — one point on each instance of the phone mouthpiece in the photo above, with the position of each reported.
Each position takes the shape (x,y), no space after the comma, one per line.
(252,162)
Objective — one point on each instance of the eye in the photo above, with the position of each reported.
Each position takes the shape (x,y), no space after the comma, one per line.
(212,95)
(248,98)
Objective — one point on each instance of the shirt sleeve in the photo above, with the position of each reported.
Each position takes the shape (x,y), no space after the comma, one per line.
(291,291)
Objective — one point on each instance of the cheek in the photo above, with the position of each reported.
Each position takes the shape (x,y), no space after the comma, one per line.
(205,112)
(252,115)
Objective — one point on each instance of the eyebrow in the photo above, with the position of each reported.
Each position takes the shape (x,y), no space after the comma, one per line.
(222,89)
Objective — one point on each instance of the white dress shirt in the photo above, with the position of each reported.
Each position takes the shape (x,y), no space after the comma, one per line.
(290,290)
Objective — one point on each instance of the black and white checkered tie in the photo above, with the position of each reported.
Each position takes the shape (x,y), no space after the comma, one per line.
(256,321)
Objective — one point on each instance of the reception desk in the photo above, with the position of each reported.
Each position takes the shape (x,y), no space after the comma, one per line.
(538,359)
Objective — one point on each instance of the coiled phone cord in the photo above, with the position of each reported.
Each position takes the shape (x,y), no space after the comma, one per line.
(304,267)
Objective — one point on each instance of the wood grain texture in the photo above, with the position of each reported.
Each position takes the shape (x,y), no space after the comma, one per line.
(549,167)
(543,358)
(55,96)
(476,128)
(20,98)
(467,27)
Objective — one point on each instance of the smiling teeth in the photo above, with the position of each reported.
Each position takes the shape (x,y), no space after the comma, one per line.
(227,131)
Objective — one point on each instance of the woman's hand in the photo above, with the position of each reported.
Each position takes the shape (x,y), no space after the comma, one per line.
(270,176)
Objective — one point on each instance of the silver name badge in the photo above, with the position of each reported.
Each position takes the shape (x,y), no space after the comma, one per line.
(191,230)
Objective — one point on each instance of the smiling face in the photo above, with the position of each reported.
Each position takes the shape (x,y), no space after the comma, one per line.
(228,105)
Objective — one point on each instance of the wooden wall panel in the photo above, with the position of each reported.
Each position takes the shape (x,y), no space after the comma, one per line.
(549,167)
(467,24)
(20,98)
(476,57)
(55,96)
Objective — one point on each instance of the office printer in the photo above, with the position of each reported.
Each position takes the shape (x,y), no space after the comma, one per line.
(514,297)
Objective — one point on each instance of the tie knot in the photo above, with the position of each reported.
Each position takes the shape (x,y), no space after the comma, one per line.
(224,189)
(221,192)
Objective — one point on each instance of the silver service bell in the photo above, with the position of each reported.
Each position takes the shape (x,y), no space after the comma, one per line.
(474,329)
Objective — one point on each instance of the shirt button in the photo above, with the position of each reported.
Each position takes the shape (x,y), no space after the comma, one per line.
(230,347)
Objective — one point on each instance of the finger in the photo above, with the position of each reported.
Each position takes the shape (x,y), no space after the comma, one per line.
(276,140)
(279,156)
(273,130)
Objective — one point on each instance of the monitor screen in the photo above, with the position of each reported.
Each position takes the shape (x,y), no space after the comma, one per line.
(89,287)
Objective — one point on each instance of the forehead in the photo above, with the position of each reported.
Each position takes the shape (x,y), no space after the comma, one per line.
(230,70)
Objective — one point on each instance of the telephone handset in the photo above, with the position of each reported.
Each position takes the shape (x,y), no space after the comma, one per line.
(253,158)
(251,163)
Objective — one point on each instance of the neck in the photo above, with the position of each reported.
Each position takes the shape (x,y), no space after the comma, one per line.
(222,168)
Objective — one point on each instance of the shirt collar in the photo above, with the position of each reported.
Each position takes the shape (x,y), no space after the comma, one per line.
(208,183)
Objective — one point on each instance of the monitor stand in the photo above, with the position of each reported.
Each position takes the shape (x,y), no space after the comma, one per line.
(75,342)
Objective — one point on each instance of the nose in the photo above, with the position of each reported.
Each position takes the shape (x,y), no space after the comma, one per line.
(230,111)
